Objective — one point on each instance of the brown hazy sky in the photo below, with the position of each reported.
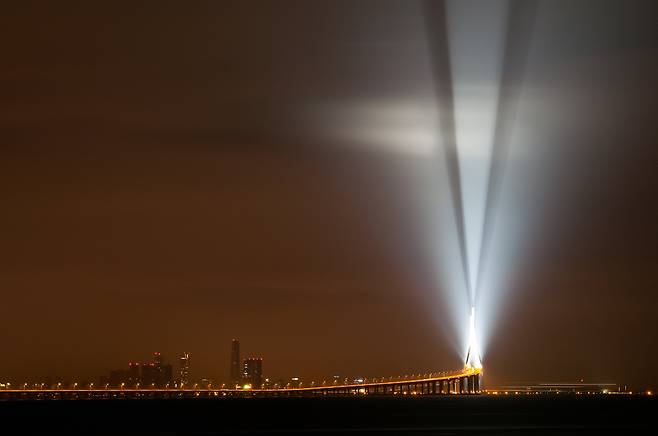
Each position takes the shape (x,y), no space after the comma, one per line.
(175,174)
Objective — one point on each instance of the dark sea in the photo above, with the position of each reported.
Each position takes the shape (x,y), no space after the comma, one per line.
(426,415)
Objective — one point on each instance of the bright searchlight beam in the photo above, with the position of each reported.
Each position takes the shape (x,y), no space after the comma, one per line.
(473,358)
(488,44)
(477,35)
(478,51)
(476,39)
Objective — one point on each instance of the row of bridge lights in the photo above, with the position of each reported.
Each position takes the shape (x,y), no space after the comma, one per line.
(90,386)
(357,381)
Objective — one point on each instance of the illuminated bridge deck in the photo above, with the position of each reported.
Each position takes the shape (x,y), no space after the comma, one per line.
(466,381)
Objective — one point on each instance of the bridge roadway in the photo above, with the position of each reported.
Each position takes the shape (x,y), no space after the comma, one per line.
(466,381)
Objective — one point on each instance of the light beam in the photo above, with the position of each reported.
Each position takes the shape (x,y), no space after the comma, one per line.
(487,45)
(473,357)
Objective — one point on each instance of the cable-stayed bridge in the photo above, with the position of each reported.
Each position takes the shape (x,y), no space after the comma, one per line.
(461,382)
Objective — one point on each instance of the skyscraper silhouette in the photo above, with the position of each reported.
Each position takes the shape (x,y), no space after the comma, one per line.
(235,361)
(185,368)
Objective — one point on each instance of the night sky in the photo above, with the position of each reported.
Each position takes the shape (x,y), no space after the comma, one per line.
(176,174)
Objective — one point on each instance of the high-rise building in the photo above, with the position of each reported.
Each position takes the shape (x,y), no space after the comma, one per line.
(235,361)
(157,359)
(158,376)
(252,372)
(185,368)
(147,374)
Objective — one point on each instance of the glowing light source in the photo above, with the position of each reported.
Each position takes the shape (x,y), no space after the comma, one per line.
(473,358)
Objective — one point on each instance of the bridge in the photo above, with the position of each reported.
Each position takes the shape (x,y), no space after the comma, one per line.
(462,382)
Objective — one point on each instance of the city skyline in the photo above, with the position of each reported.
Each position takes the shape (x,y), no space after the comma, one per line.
(160,374)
